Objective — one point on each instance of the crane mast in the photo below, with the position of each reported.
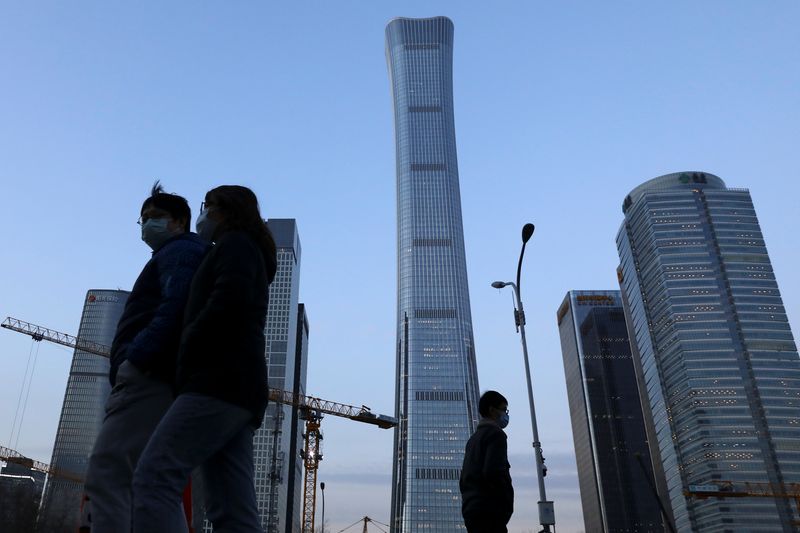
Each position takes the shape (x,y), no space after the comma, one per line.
(312,410)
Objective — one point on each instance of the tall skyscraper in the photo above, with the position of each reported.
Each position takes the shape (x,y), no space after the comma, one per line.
(274,440)
(277,443)
(437,381)
(295,485)
(719,369)
(607,423)
(82,412)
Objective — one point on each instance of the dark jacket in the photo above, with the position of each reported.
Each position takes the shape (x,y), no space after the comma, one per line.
(222,347)
(486,490)
(149,329)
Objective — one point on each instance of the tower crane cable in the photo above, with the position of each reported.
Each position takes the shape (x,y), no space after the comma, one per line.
(365,520)
(351,525)
(21,394)
(27,395)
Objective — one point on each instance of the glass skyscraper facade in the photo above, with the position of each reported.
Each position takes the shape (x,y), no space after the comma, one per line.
(720,374)
(276,444)
(272,442)
(607,423)
(437,382)
(82,412)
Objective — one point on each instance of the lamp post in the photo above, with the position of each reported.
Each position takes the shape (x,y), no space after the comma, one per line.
(322,486)
(547,516)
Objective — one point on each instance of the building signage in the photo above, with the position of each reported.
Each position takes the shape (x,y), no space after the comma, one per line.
(594,299)
(102,298)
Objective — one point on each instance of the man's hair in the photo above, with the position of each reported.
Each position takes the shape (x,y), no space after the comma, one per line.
(176,206)
(490,399)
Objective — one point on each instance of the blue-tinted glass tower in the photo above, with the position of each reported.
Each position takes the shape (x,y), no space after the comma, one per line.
(437,383)
(275,444)
(82,412)
(719,369)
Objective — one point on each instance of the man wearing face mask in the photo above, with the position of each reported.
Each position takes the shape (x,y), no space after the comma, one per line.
(487,496)
(143,357)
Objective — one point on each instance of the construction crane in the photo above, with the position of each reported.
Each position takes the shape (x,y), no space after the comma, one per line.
(311,410)
(12,456)
(747,489)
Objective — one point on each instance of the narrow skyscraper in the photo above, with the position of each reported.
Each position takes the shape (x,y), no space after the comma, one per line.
(294,486)
(718,367)
(437,384)
(82,412)
(607,424)
(275,443)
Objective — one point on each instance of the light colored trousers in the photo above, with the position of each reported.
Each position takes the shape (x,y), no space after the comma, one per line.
(198,431)
(136,405)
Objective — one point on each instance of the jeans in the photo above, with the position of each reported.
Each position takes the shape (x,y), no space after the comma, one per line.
(217,436)
(133,410)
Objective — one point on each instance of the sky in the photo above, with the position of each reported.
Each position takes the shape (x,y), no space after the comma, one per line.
(561,109)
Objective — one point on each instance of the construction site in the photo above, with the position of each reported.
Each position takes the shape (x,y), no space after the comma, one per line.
(26,480)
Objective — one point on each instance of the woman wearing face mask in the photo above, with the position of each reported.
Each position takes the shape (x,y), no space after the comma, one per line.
(221,376)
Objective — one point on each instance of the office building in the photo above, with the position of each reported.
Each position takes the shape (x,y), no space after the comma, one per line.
(295,477)
(82,412)
(614,468)
(437,383)
(273,441)
(716,360)
(277,443)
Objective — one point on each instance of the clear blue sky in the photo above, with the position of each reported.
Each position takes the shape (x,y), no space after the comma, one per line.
(561,109)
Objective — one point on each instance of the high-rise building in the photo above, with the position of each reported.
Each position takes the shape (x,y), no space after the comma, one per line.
(611,449)
(272,442)
(718,367)
(82,412)
(277,443)
(437,382)
(295,485)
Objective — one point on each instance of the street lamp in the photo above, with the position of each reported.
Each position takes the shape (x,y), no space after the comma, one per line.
(547,515)
(322,486)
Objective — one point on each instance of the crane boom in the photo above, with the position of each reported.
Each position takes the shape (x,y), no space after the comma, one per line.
(359,414)
(64,339)
(311,408)
(13,456)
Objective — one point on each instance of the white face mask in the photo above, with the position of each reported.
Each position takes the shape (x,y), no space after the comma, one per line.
(205,226)
(155,232)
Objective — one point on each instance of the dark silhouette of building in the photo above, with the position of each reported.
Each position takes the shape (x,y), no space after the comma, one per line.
(607,422)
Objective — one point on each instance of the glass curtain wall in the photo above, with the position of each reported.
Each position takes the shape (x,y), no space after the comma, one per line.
(720,367)
(437,384)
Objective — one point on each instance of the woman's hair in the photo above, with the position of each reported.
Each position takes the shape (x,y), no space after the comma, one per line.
(239,207)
